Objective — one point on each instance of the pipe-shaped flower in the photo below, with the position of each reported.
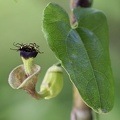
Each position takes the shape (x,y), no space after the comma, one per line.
(25,76)
(52,83)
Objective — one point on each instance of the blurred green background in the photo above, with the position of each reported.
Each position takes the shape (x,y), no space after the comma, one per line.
(20,22)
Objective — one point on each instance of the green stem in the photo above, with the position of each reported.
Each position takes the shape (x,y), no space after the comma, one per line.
(37,95)
(58,64)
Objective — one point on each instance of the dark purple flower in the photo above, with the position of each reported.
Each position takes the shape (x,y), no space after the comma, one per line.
(27,50)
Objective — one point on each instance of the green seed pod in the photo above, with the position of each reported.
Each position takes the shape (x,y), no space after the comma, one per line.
(53,82)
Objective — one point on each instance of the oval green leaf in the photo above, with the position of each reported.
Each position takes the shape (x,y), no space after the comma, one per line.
(80,51)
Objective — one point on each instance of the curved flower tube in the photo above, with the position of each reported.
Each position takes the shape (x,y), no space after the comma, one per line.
(18,79)
(25,76)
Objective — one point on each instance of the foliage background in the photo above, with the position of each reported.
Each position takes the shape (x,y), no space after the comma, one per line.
(20,22)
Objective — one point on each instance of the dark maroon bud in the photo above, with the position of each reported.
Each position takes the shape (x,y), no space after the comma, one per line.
(84,3)
(81,3)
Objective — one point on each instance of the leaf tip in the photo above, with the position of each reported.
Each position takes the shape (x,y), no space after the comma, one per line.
(103,110)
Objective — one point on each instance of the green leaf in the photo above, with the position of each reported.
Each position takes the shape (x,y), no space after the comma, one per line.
(82,54)
(93,30)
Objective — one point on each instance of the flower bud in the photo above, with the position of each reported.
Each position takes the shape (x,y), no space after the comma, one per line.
(53,82)
(81,3)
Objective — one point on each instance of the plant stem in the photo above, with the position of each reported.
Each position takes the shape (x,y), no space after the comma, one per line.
(80,110)
(58,64)
(79,3)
